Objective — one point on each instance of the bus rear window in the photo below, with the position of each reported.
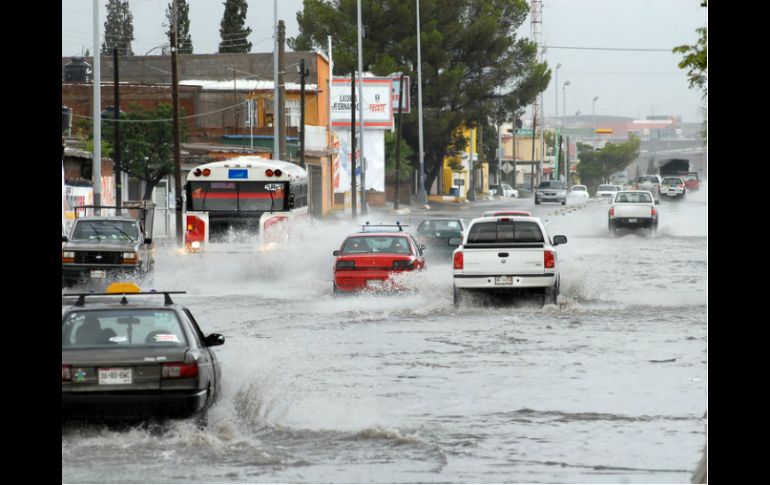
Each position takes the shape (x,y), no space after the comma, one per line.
(237,196)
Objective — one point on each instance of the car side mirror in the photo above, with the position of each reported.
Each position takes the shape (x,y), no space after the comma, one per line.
(64,239)
(214,339)
(455,241)
(657,201)
(336,252)
(148,240)
(422,247)
(559,240)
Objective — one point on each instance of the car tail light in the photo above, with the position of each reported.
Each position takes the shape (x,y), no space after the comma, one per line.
(458,260)
(346,265)
(269,172)
(68,256)
(548,259)
(65,373)
(178,370)
(653,211)
(612,212)
(403,264)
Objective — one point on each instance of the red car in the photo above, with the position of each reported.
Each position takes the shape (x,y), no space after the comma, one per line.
(367,260)
(691,180)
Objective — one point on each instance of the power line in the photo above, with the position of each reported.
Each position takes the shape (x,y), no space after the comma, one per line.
(75,115)
(607,49)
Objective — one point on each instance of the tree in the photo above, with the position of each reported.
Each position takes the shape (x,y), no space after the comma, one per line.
(146,144)
(390,157)
(183,38)
(474,68)
(231,30)
(596,166)
(118,29)
(696,61)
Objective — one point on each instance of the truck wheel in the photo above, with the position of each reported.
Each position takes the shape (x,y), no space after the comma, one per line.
(564,202)
(551,295)
(457,297)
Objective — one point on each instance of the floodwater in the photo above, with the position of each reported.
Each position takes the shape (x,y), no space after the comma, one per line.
(608,386)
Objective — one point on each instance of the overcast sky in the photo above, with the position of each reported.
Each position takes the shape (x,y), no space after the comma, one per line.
(628,83)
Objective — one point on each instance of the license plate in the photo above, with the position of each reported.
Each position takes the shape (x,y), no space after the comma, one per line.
(374,283)
(98,273)
(632,220)
(111,376)
(503,280)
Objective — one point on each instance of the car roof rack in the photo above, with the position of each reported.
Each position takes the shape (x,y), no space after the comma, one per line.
(369,227)
(82,296)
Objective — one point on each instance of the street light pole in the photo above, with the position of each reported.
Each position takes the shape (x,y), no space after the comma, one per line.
(593,112)
(556,91)
(422,197)
(564,98)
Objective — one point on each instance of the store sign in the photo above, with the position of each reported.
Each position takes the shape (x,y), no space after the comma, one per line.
(378,102)
(396,88)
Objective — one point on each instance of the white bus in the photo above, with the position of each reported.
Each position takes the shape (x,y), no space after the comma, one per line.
(243,194)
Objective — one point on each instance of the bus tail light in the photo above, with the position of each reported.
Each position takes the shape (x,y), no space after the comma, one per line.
(179,370)
(548,259)
(457,260)
(206,172)
(278,172)
(269,172)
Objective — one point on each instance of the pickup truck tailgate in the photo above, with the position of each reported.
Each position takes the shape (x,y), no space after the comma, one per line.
(633,211)
(503,261)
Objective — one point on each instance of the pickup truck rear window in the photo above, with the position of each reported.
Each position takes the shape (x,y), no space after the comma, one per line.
(505,232)
(633,198)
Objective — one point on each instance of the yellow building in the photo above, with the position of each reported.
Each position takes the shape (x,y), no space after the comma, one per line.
(456,181)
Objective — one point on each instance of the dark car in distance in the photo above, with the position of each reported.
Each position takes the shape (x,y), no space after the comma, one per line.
(435,235)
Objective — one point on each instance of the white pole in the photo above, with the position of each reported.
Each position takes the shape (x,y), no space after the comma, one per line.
(96,172)
(276,115)
(422,197)
(361,102)
(328,88)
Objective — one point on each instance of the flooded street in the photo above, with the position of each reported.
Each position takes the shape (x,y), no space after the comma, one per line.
(609,386)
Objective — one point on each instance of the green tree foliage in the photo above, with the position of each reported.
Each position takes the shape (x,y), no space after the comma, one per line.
(695,61)
(183,38)
(596,166)
(231,30)
(474,67)
(390,156)
(146,148)
(118,29)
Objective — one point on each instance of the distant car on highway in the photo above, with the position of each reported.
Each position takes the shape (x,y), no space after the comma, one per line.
(579,192)
(608,190)
(551,191)
(633,209)
(673,187)
(129,355)
(435,235)
(503,190)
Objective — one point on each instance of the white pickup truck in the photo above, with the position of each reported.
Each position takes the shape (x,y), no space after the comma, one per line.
(506,253)
(633,208)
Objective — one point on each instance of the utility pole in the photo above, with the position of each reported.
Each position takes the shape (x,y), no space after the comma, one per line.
(481,152)
(398,143)
(422,196)
(302,73)
(177,153)
(353,143)
(361,101)
(282,90)
(96,172)
(566,163)
(276,95)
(116,117)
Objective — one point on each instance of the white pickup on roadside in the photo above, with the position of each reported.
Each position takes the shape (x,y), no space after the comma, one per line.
(507,253)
